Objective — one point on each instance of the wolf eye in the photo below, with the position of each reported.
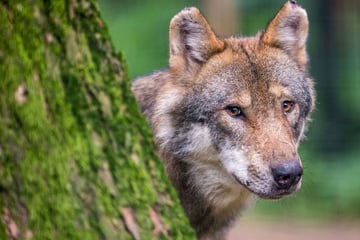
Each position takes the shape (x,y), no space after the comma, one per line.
(234,111)
(288,106)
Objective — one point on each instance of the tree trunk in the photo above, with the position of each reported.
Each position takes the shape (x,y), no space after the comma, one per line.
(76,157)
(223,16)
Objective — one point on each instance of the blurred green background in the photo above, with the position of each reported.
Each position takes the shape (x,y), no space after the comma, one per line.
(331,185)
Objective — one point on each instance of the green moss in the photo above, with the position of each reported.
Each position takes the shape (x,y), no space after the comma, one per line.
(76,150)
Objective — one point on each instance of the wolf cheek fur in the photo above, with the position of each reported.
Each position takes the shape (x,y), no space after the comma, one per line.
(228,115)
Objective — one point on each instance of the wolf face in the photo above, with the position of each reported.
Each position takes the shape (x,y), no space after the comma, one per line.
(247,115)
(229,114)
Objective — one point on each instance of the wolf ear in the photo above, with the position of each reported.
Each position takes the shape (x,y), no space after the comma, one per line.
(288,30)
(192,41)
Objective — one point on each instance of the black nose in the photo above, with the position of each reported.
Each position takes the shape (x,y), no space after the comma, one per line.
(287,174)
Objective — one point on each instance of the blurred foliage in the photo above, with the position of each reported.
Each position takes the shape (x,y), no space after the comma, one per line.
(139,28)
(331,153)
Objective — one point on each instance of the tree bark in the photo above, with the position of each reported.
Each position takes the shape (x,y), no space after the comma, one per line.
(76,156)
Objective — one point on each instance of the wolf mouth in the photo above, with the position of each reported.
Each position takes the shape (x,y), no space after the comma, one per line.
(274,194)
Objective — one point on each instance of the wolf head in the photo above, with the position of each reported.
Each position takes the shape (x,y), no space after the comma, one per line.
(228,114)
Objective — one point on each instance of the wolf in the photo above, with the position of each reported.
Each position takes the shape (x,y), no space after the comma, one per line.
(228,114)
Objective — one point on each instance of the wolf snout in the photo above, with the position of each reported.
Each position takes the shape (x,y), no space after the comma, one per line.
(287,174)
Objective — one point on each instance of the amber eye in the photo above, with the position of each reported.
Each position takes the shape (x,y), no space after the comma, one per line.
(288,106)
(234,111)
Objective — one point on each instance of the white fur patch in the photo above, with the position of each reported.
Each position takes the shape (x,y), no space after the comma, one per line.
(235,162)
(200,144)
(301,134)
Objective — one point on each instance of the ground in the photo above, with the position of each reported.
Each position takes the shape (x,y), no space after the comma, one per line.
(250,229)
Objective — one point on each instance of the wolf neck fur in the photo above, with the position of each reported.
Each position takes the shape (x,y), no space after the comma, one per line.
(211,206)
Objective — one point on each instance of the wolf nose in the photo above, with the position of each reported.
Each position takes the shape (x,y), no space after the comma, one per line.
(287,174)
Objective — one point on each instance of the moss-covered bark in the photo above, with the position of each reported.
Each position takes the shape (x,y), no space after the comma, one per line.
(76,157)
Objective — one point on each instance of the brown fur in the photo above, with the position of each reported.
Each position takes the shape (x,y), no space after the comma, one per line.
(218,161)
